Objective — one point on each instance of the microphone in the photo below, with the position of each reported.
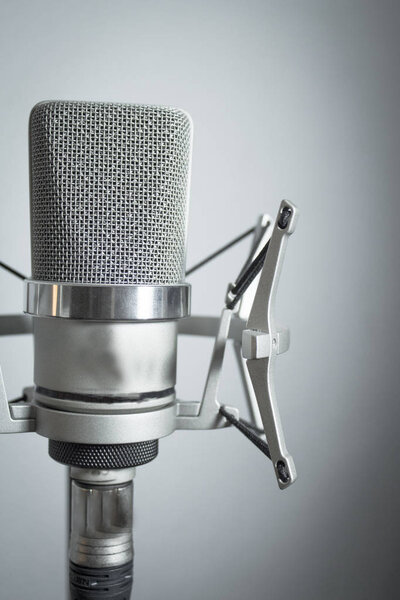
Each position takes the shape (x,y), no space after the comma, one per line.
(109,204)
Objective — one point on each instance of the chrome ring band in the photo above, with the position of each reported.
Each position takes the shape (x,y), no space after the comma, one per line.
(118,428)
(107,302)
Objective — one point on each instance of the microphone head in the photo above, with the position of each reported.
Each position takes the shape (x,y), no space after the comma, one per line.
(109,192)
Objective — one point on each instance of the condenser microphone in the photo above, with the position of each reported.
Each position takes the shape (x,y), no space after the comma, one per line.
(109,203)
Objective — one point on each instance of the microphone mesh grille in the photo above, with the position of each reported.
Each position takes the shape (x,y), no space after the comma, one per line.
(109,189)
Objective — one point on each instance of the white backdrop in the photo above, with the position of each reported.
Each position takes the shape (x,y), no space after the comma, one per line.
(296,99)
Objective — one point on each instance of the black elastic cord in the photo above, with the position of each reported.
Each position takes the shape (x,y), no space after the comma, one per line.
(261,444)
(256,244)
(3,265)
(254,428)
(220,251)
(257,441)
(247,277)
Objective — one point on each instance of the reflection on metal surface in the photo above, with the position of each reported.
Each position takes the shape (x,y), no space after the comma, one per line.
(101,519)
(107,302)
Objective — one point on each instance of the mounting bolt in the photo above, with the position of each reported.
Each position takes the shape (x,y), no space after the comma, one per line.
(284,217)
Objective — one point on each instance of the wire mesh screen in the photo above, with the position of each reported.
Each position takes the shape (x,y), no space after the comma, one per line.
(109,192)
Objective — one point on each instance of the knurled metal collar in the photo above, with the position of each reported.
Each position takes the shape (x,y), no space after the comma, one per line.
(106,302)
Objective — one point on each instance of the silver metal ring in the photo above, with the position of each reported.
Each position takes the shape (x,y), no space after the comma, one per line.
(106,408)
(118,428)
(102,476)
(107,302)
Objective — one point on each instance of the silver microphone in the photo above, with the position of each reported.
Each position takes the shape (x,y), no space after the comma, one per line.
(109,203)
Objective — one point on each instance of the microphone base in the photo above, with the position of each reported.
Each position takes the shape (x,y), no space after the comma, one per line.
(111,583)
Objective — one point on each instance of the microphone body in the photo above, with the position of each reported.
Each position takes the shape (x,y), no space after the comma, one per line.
(109,203)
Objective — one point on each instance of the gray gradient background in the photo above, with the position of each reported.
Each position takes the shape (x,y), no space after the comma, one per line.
(296,99)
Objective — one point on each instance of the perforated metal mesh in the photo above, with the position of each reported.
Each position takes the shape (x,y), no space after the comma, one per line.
(109,187)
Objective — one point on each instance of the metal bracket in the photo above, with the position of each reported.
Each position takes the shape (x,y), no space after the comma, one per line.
(17,416)
(261,343)
(205,414)
(258,344)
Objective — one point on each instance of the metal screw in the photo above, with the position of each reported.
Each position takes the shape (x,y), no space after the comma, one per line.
(284,217)
(282,470)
